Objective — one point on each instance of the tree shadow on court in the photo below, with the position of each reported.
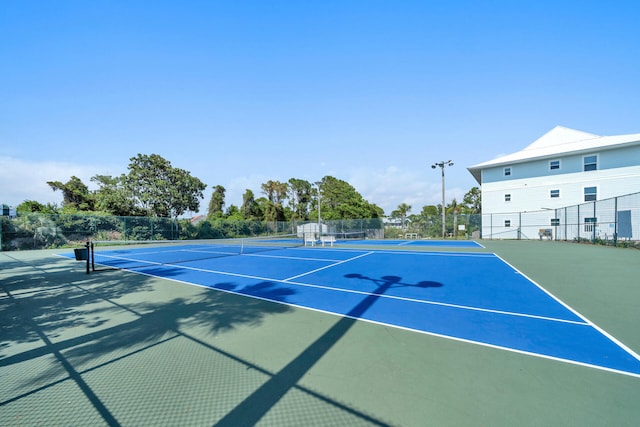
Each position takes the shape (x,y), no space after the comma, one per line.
(52,308)
(71,323)
(152,323)
(49,291)
(95,322)
(256,405)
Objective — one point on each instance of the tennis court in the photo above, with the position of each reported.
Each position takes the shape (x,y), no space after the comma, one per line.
(475,297)
(347,335)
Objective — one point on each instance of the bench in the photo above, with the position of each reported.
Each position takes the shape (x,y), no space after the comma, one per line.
(328,239)
(545,232)
(310,238)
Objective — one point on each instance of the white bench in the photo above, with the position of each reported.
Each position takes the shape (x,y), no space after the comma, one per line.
(310,238)
(328,239)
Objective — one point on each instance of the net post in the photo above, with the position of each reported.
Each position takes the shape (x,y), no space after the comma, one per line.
(93,260)
(87,248)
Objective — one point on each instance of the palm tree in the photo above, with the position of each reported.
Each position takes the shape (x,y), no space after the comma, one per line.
(402,211)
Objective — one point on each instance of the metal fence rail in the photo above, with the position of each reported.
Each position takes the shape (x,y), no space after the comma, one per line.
(610,220)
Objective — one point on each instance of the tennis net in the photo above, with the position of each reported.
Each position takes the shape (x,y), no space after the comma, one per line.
(128,254)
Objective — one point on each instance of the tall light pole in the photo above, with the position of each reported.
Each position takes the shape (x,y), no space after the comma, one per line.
(442,164)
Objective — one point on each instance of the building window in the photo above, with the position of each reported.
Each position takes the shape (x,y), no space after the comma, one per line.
(590,194)
(507,171)
(507,223)
(554,194)
(555,221)
(590,163)
(507,197)
(589,224)
(554,165)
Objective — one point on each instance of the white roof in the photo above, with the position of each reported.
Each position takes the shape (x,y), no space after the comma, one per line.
(559,140)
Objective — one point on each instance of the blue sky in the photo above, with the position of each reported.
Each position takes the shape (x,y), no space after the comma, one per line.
(240,92)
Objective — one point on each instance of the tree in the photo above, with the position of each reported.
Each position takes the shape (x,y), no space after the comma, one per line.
(452,212)
(401,212)
(250,209)
(472,201)
(432,220)
(299,198)
(262,205)
(160,189)
(216,204)
(276,192)
(452,207)
(430,210)
(340,200)
(31,206)
(233,213)
(112,196)
(75,194)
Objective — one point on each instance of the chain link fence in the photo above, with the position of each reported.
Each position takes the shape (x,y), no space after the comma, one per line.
(38,231)
(457,226)
(613,221)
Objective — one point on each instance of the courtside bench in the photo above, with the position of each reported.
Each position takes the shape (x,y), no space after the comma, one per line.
(328,239)
(310,238)
(545,233)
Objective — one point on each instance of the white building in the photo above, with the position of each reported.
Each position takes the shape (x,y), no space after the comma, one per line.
(562,168)
(8,211)
(312,228)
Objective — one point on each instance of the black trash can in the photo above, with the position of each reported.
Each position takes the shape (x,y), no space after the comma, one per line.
(82,254)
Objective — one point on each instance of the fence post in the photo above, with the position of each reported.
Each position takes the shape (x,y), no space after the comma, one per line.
(579,231)
(595,222)
(615,221)
(519,225)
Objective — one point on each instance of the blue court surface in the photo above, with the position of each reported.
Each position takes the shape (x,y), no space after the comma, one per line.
(421,243)
(472,297)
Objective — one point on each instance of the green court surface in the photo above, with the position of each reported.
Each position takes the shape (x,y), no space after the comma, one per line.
(118,348)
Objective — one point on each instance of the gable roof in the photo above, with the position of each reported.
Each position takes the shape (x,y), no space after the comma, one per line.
(559,135)
(559,140)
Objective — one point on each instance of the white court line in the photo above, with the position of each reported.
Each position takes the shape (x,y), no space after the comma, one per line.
(292,257)
(438,303)
(441,253)
(325,267)
(412,252)
(587,321)
(290,281)
(200,251)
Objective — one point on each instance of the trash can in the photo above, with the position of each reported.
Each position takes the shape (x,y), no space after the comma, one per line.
(82,254)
